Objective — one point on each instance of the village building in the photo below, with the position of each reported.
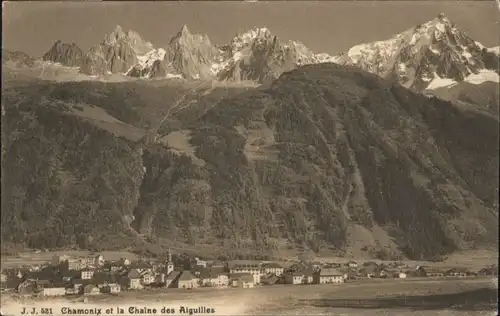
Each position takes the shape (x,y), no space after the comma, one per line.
(147,277)
(74,264)
(111,288)
(457,272)
(294,278)
(87,274)
(431,272)
(253,269)
(214,278)
(244,280)
(187,280)
(329,276)
(352,264)
(54,290)
(134,280)
(200,263)
(141,266)
(273,268)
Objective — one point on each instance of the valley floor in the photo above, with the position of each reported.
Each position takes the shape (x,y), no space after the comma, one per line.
(472,296)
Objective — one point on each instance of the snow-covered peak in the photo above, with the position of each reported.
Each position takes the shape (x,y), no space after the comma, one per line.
(435,49)
(247,38)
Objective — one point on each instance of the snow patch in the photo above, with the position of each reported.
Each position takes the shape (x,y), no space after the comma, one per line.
(439,82)
(483,76)
(148,59)
(173,76)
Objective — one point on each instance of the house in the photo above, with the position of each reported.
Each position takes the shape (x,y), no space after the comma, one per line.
(187,280)
(54,290)
(253,269)
(86,274)
(141,267)
(134,280)
(111,288)
(200,263)
(329,276)
(147,277)
(457,272)
(270,280)
(172,280)
(273,268)
(91,289)
(402,275)
(74,265)
(244,280)
(431,272)
(352,264)
(294,278)
(214,278)
(116,266)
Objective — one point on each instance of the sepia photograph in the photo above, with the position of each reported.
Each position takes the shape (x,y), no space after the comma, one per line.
(250,158)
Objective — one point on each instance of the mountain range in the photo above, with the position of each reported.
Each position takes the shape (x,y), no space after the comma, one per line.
(427,56)
(258,145)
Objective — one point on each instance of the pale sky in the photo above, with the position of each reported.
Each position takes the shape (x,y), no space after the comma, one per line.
(326,26)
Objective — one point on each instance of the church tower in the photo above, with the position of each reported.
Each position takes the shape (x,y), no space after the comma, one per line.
(170,263)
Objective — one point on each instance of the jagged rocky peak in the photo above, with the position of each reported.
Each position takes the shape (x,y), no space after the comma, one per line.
(67,54)
(190,55)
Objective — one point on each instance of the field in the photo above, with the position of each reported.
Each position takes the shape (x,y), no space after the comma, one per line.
(377,297)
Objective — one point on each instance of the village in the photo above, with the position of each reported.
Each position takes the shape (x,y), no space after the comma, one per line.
(94,275)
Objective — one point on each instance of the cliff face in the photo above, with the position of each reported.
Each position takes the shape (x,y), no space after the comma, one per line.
(326,157)
(65,53)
